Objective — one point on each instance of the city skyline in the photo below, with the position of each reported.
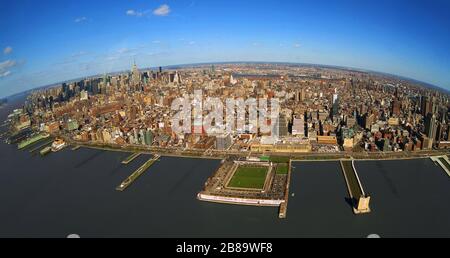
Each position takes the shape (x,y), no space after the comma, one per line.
(72,40)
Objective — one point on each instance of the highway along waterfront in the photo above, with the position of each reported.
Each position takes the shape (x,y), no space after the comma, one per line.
(73,192)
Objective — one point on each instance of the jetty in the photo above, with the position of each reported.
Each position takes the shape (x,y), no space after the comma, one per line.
(45,151)
(40,146)
(125,184)
(76,147)
(360,200)
(282,212)
(32,140)
(130,158)
(443,162)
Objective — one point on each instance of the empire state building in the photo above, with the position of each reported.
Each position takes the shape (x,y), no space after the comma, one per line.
(135,75)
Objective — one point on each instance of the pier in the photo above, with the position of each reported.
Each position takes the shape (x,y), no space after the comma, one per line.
(359,199)
(40,146)
(32,140)
(130,158)
(76,147)
(125,184)
(443,162)
(282,213)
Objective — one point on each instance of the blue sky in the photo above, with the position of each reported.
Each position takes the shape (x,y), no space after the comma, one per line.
(44,42)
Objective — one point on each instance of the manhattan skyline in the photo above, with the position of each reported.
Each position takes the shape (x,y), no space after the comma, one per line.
(48,42)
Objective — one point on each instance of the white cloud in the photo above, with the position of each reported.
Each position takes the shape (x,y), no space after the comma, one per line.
(156,42)
(297,45)
(80,19)
(7,50)
(4,71)
(163,10)
(111,58)
(131,12)
(124,50)
(4,74)
(79,54)
(192,43)
(7,64)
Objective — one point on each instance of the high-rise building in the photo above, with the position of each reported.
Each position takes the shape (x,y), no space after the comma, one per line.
(171,77)
(430,126)
(425,107)
(148,137)
(396,106)
(335,108)
(177,78)
(135,75)
(223,142)
(302,94)
(298,127)
(83,95)
(282,125)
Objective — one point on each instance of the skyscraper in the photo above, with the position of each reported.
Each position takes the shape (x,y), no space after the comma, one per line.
(425,105)
(430,126)
(177,78)
(282,125)
(396,105)
(335,108)
(135,75)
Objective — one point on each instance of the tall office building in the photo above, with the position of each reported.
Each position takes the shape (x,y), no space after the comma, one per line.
(148,137)
(298,127)
(282,126)
(224,141)
(303,95)
(177,78)
(430,126)
(335,107)
(135,75)
(396,106)
(425,105)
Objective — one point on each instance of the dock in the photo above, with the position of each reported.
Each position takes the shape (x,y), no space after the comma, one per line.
(125,184)
(130,158)
(31,140)
(360,200)
(76,147)
(40,146)
(282,213)
(443,162)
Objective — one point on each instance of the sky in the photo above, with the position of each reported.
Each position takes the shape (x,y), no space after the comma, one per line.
(45,42)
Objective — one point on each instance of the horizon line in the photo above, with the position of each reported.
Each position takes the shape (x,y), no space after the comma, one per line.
(339,67)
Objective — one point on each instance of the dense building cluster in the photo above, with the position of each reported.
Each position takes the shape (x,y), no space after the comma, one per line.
(323,109)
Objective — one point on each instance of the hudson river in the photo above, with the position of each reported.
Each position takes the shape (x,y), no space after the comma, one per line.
(73,192)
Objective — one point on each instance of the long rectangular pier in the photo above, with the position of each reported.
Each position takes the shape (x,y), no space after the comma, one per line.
(34,139)
(125,184)
(443,161)
(130,158)
(354,186)
(40,146)
(76,147)
(282,213)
